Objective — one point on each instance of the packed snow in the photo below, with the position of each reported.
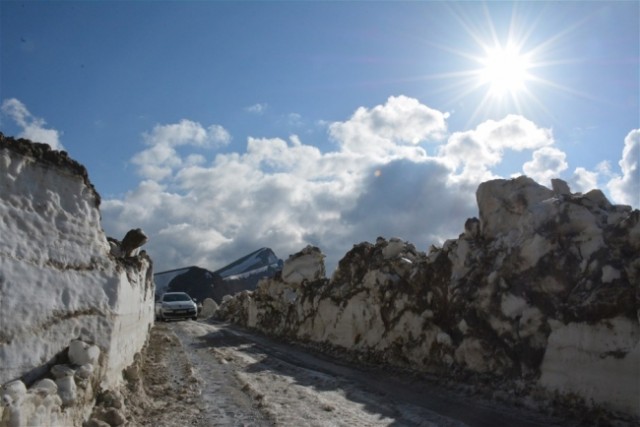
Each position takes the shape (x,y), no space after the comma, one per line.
(538,297)
(59,284)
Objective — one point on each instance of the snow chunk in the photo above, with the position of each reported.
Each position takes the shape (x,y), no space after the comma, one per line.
(67,390)
(61,371)
(394,248)
(13,391)
(560,187)
(599,362)
(609,274)
(307,265)
(512,306)
(45,387)
(81,353)
(209,307)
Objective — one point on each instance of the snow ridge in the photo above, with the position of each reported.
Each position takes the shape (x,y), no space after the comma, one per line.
(538,297)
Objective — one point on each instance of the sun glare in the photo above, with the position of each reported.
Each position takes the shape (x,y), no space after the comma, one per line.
(510,64)
(504,71)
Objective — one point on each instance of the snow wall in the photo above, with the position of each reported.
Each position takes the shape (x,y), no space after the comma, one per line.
(72,316)
(537,300)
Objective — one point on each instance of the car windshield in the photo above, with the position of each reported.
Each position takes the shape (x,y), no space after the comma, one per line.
(176,297)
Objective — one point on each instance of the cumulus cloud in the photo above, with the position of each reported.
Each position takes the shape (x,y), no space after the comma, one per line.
(583,180)
(161,159)
(470,152)
(514,132)
(33,128)
(413,200)
(285,194)
(473,153)
(547,163)
(187,132)
(625,188)
(379,131)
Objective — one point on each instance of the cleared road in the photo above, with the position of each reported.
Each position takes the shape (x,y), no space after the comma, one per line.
(198,373)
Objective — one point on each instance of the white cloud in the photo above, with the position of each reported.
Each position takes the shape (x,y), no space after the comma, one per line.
(161,159)
(547,163)
(468,150)
(475,152)
(33,128)
(625,188)
(294,120)
(514,133)
(286,194)
(604,168)
(277,154)
(157,162)
(257,108)
(583,180)
(218,135)
(187,132)
(379,131)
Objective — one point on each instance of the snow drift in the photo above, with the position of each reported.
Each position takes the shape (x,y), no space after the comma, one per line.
(72,314)
(537,297)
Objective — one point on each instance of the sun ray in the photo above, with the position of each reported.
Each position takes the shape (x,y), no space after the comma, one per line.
(508,65)
(532,98)
(568,90)
(492,27)
(483,105)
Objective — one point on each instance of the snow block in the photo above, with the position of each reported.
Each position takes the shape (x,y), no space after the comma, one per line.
(81,353)
(60,286)
(305,266)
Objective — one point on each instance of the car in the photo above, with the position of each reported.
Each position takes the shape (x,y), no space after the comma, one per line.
(176,305)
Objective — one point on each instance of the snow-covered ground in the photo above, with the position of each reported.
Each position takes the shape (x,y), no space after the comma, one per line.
(195,373)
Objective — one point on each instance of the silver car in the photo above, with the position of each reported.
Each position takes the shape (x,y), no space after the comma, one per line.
(176,305)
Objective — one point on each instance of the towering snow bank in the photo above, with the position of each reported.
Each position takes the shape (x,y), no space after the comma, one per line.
(58,280)
(539,295)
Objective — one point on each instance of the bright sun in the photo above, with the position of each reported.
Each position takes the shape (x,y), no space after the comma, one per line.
(509,65)
(504,71)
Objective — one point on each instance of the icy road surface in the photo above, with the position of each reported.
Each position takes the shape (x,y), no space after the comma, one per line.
(219,375)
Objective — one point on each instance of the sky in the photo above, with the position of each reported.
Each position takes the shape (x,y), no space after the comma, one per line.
(222,127)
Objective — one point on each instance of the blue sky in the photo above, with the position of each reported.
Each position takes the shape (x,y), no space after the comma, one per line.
(221,127)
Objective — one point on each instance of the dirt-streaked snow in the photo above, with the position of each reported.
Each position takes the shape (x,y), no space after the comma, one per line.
(536,299)
(218,375)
